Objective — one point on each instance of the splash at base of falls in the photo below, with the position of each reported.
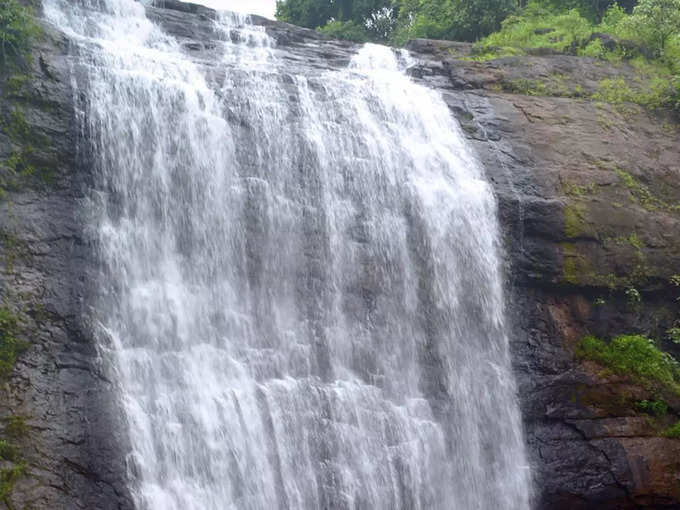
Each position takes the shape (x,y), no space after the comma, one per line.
(300,287)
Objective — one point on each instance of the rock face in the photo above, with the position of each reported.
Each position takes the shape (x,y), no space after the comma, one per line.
(589,196)
(58,389)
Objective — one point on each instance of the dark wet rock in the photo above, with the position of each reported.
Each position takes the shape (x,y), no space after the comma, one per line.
(72,446)
(588,199)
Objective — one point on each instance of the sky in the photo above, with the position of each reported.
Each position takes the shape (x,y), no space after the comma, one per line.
(262,7)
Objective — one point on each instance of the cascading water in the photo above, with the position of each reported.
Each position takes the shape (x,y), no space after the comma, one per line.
(300,288)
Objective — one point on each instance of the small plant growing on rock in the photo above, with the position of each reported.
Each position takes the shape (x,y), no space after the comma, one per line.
(7,450)
(673,432)
(10,345)
(16,427)
(675,280)
(634,356)
(674,335)
(653,407)
(633,296)
(7,479)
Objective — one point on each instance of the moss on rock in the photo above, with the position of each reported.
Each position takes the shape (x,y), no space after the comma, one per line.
(635,356)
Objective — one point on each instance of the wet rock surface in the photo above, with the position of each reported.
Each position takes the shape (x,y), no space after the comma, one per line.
(588,194)
(72,441)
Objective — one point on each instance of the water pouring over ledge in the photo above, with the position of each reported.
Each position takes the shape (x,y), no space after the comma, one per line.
(300,292)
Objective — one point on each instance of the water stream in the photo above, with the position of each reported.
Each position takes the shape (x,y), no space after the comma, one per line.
(300,292)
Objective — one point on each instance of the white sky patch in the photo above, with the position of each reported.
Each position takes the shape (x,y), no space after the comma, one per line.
(262,7)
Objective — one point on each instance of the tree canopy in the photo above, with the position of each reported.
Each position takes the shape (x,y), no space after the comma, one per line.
(383,20)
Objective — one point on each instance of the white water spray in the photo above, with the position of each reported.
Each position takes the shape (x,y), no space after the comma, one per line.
(300,286)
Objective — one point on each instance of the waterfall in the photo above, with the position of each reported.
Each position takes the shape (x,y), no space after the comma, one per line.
(299,293)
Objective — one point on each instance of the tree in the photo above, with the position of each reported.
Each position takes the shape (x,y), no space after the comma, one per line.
(357,20)
(476,18)
(465,20)
(656,22)
(306,13)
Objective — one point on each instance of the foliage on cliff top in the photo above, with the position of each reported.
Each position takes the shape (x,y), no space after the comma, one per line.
(646,30)
(634,356)
(397,21)
(651,29)
(17,29)
(648,38)
(538,27)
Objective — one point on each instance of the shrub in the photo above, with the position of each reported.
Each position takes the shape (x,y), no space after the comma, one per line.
(655,407)
(594,49)
(673,432)
(635,356)
(537,27)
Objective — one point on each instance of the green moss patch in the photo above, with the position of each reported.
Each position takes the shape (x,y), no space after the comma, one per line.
(18,28)
(635,356)
(574,222)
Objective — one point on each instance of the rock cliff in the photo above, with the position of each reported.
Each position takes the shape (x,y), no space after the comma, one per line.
(590,205)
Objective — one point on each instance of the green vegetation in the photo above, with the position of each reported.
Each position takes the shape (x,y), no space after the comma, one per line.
(648,38)
(358,20)
(397,21)
(577,269)
(7,451)
(17,29)
(350,30)
(645,33)
(632,240)
(574,224)
(653,407)
(633,296)
(657,24)
(674,335)
(8,478)
(16,427)
(10,346)
(672,432)
(641,193)
(634,356)
(19,164)
(538,27)
(463,20)
(22,161)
